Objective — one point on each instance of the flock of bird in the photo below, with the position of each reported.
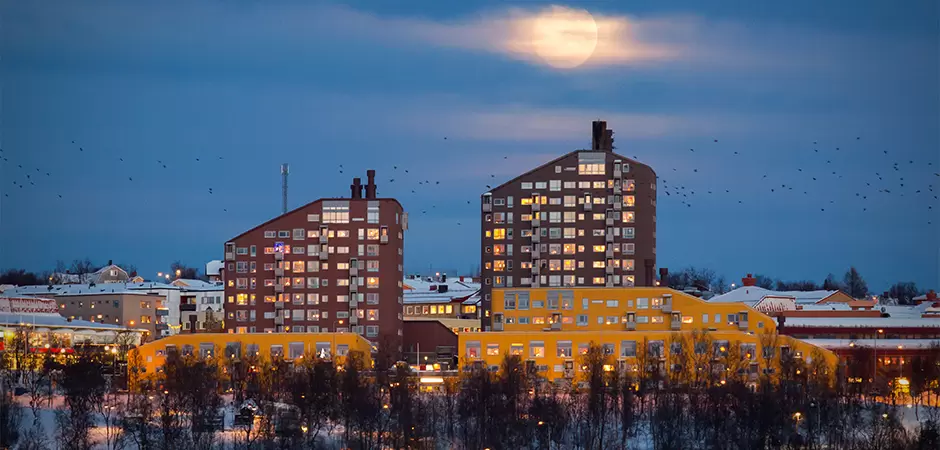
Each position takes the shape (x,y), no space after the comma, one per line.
(894,179)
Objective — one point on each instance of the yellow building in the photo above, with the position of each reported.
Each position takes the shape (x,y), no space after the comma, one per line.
(550,327)
(290,346)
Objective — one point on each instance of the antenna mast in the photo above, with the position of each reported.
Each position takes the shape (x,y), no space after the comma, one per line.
(285,170)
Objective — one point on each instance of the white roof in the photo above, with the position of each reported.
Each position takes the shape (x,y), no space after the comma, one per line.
(873,343)
(197,285)
(51,320)
(85,289)
(214,267)
(754,294)
(862,322)
(425,290)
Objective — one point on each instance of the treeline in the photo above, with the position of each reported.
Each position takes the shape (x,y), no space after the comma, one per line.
(318,403)
(852,283)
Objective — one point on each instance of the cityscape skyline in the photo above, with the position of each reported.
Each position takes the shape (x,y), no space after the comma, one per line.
(136,104)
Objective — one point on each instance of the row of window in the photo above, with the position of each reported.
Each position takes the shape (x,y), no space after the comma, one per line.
(554,265)
(560,280)
(627,248)
(303,314)
(311,298)
(628,349)
(311,282)
(429,309)
(557,185)
(560,233)
(560,216)
(308,266)
(565,301)
(364,330)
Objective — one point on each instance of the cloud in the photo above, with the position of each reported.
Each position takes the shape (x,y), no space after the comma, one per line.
(558,36)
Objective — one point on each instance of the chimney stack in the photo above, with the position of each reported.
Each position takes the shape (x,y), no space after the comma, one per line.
(749,280)
(664,277)
(356,188)
(931,296)
(598,134)
(109,262)
(370,184)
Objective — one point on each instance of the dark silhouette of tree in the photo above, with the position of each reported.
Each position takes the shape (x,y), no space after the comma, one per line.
(904,292)
(830,283)
(83,386)
(82,266)
(804,285)
(20,277)
(185,272)
(764,281)
(854,284)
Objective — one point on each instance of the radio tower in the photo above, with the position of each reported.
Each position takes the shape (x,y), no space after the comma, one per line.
(285,170)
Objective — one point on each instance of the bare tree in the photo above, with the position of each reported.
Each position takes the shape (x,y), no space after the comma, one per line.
(854,284)
(83,386)
(81,267)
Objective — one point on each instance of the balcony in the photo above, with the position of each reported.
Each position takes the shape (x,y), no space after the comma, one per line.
(536,222)
(536,254)
(609,269)
(324,255)
(279,320)
(535,282)
(618,206)
(610,221)
(667,304)
(556,326)
(383,239)
(279,272)
(187,307)
(536,237)
(165,312)
(617,172)
(353,269)
(675,324)
(353,286)
(536,206)
(487,207)
(279,305)
(353,317)
(279,288)
(278,256)
(497,326)
(535,267)
(742,321)
(630,325)
(610,281)
(617,188)
(587,205)
(610,252)
(353,303)
(230,256)
(569,373)
(324,237)
(610,236)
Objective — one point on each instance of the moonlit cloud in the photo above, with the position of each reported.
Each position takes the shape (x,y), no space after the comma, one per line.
(555,34)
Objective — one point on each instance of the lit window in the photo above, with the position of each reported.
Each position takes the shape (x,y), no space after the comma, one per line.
(599,248)
(499,265)
(372,234)
(591,169)
(499,233)
(372,282)
(598,264)
(629,216)
(598,280)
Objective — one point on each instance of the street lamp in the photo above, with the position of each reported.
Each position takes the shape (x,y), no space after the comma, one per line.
(178,272)
(875,369)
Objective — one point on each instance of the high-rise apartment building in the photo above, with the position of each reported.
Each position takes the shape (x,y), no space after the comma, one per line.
(586,219)
(332,265)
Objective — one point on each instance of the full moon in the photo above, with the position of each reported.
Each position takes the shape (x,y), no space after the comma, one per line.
(564,38)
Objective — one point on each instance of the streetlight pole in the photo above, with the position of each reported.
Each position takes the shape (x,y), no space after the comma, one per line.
(874,374)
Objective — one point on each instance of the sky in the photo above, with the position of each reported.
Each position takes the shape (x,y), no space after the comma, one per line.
(741,102)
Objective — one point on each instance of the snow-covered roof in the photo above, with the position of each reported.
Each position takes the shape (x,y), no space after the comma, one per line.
(862,322)
(214,267)
(4,287)
(197,285)
(86,289)
(427,290)
(835,306)
(886,344)
(754,294)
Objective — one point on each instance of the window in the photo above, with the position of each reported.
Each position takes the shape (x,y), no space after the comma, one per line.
(627,349)
(629,217)
(372,314)
(582,320)
(656,319)
(372,330)
(298,234)
(554,185)
(526,185)
(629,280)
(372,250)
(269,234)
(629,248)
(372,282)
(241,251)
(313,282)
(473,349)
(283,234)
(629,201)
(536,349)
(591,169)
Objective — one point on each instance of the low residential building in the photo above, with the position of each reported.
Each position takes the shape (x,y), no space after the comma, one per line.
(550,327)
(126,305)
(107,274)
(214,270)
(441,296)
(201,308)
(892,334)
(233,347)
(48,331)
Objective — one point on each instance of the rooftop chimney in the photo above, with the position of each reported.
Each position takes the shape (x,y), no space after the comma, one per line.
(598,134)
(749,280)
(931,296)
(664,277)
(370,184)
(356,188)
(109,262)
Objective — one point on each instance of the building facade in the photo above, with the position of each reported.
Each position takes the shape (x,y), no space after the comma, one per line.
(550,328)
(331,265)
(587,218)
